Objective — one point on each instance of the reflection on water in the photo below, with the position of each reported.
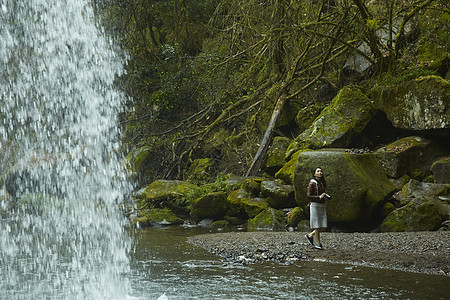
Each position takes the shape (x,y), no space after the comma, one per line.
(163,262)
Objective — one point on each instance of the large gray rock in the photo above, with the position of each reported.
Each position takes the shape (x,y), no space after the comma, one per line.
(441,170)
(421,208)
(356,182)
(213,206)
(419,104)
(278,195)
(336,126)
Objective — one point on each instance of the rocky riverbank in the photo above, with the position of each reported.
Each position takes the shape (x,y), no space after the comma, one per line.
(421,252)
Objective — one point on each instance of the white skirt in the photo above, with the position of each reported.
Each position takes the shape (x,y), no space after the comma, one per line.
(318,215)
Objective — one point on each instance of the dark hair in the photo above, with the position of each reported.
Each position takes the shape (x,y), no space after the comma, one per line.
(322,180)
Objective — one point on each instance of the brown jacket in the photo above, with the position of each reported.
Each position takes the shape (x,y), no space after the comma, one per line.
(314,190)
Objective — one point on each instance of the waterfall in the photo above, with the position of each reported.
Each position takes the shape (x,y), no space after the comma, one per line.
(61,230)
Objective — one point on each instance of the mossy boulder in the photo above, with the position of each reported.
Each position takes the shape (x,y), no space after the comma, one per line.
(418,104)
(212,206)
(201,168)
(156,217)
(303,226)
(278,195)
(275,156)
(356,182)
(269,219)
(418,215)
(242,205)
(252,186)
(441,170)
(295,216)
(286,173)
(402,156)
(306,116)
(163,193)
(336,126)
(137,161)
(221,224)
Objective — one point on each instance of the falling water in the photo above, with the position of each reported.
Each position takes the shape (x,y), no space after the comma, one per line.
(61,231)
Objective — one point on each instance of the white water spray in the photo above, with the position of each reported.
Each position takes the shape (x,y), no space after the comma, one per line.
(61,231)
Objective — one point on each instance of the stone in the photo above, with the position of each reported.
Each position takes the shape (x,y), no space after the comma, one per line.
(252,186)
(402,156)
(295,216)
(418,104)
(162,192)
(275,155)
(338,123)
(441,170)
(278,195)
(286,173)
(419,214)
(269,219)
(212,206)
(156,217)
(356,182)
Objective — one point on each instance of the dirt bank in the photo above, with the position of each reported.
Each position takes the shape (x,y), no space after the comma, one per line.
(422,252)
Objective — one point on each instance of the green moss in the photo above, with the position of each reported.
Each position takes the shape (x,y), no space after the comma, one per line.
(149,217)
(286,173)
(269,219)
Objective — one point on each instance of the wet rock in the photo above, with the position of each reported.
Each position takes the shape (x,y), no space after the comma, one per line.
(295,216)
(213,205)
(156,217)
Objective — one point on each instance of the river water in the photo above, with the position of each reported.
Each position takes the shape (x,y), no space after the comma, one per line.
(164,263)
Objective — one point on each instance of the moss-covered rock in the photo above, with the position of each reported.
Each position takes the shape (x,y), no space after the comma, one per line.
(252,186)
(338,123)
(253,206)
(286,173)
(306,116)
(156,217)
(295,216)
(356,182)
(303,226)
(269,219)
(418,215)
(213,206)
(418,104)
(441,170)
(161,193)
(275,155)
(402,156)
(221,224)
(278,195)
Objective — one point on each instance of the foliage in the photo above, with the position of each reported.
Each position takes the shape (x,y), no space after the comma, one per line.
(197,68)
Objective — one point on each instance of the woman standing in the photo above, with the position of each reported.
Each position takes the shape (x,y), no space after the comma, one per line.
(318,214)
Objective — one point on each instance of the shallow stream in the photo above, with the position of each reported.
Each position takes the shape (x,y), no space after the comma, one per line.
(163,262)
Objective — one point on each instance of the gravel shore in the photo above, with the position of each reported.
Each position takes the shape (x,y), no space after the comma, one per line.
(421,252)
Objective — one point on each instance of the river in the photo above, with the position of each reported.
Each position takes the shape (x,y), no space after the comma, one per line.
(165,264)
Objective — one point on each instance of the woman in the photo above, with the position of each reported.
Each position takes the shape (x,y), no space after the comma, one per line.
(318,214)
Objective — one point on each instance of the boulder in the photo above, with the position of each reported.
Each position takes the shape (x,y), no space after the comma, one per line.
(242,205)
(295,216)
(338,123)
(278,195)
(306,116)
(402,156)
(441,170)
(252,186)
(418,104)
(356,182)
(275,155)
(418,215)
(213,206)
(156,217)
(304,226)
(164,193)
(286,173)
(269,219)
